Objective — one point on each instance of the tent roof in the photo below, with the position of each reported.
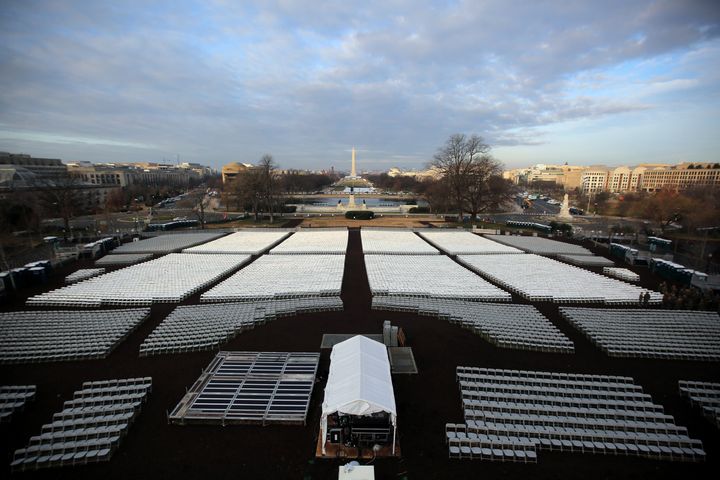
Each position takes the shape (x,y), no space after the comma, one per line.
(359,382)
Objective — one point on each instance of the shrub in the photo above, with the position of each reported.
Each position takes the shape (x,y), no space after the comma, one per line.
(360,214)
(419,210)
(563,228)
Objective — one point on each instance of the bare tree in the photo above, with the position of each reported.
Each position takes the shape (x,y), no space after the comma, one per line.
(258,188)
(487,189)
(247,187)
(198,202)
(458,163)
(436,193)
(61,196)
(269,184)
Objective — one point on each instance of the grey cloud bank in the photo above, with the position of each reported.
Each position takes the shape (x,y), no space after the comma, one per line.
(228,81)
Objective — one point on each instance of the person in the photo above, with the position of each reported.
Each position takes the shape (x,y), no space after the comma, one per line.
(646,299)
(641,298)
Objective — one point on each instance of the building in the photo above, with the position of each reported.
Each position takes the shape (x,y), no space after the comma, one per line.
(594,179)
(97,174)
(618,179)
(681,177)
(231,171)
(23,173)
(430,173)
(649,177)
(24,168)
(568,176)
(624,179)
(572,178)
(128,174)
(94,183)
(94,197)
(198,169)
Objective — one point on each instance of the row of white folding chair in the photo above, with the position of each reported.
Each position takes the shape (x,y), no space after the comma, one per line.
(168,242)
(181,274)
(535,276)
(567,383)
(539,374)
(641,444)
(476,450)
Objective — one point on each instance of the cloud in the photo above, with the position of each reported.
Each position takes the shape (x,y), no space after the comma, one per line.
(228,81)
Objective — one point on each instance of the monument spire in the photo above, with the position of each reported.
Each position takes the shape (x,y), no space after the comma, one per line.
(353,172)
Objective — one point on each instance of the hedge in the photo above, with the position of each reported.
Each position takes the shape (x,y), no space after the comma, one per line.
(360,214)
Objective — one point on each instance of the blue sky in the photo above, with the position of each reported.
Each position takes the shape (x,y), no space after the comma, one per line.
(586,82)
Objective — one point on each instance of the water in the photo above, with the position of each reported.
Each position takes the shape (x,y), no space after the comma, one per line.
(370,202)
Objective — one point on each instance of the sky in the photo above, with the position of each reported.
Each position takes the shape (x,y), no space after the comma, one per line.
(212,81)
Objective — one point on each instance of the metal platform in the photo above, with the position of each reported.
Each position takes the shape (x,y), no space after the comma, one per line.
(251,388)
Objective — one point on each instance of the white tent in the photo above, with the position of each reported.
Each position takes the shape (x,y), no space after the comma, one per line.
(359,382)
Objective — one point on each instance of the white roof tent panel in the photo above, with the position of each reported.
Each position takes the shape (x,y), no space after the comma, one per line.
(359,382)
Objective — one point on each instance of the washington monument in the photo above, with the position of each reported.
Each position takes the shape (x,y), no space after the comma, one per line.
(353,171)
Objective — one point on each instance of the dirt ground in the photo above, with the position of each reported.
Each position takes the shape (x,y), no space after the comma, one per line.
(425,402)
